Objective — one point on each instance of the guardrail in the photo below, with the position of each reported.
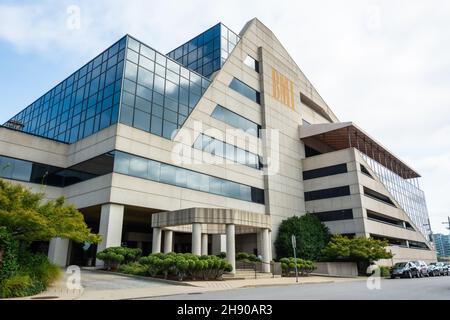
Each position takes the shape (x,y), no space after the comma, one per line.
(257,266)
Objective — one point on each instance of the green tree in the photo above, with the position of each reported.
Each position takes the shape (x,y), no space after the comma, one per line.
(28,218)
(311,234)
(362,250)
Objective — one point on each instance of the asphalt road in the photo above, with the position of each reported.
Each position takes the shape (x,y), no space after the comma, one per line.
(437,288)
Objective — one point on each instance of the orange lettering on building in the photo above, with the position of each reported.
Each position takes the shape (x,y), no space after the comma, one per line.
(283,89)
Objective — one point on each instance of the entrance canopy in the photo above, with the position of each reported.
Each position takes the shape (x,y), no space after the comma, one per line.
(339,136)
(213,220)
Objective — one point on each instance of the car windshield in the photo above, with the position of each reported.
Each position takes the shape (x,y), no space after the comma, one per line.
(400,265)
(433,264)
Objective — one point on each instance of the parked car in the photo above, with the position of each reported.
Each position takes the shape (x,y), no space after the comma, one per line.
(404,270)
(447,266)
(436,269)
(423,268)
(443,269)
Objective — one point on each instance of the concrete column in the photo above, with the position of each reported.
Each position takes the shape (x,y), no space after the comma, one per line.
(231,246)
(111,223)
(156,244)
(168,241)
(265,250)
(197,239)
(58,251)
(204,244)
(218,244)
(271,250)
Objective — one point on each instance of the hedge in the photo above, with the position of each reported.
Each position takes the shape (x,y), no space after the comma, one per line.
(115,256)
(304,267)
(185,265)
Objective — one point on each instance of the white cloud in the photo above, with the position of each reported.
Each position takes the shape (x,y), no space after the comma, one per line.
(383,64)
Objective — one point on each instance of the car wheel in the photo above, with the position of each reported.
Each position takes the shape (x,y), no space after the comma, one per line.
(392,277)
(409,275)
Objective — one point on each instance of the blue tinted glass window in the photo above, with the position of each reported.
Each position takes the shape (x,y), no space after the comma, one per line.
(159,93)
(197,54)
(245,90)
(235,120)
(81,104)
(169,174)
(227,151)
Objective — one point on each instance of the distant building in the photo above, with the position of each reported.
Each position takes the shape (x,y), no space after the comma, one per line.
(442,244)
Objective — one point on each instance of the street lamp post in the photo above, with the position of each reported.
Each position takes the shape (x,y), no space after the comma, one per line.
(294,246)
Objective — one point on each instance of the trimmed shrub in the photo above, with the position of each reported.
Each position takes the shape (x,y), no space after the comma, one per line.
(304,267)
(246,257)
(222,255)
(185,265)
(134,268)
(115,256)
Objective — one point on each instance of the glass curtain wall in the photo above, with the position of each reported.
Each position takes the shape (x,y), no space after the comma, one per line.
(158,93)
(406,192)
(207,52)
(81,105)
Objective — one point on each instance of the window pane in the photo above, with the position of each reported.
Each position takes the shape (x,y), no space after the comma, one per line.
(22,170)
(141,120)
(122,163)
(143,105)
(133,44)
(131,71)
(245,90)
(132,56)
(145,78)
(139,167)
(156,127)
(169,129)
(126,115)
(144,92)
(154,170)
(168,174)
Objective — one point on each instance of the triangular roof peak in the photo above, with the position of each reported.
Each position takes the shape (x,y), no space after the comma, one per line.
(306,87)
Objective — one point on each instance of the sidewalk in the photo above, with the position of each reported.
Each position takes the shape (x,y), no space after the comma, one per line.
(111,286)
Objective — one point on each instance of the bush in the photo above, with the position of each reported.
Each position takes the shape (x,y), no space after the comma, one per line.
(385,271)
(363,251)
(222,255)
(185,265)
(134,268)
(40,268)
(18,285)
(304,267)
(113,257)
(311,234)
(246,257)
(34,275)
(9,253)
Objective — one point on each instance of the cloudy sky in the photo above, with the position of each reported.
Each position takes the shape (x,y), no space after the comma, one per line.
(383,64)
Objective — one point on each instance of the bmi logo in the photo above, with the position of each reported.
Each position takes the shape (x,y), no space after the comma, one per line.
(283,89)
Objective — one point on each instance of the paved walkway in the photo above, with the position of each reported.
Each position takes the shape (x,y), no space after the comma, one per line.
(97,285)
